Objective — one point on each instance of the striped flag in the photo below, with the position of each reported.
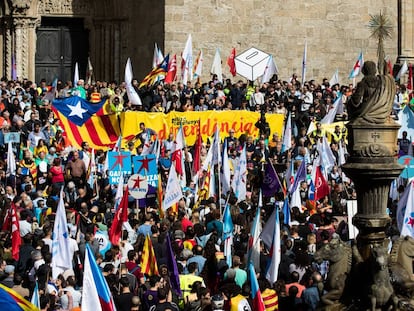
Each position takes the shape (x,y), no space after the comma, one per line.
(156,74)
(357,67)
(258,304)
(12,301)
(35,297)
(254,239)
(11,224)
(198,65)
(96,294)
(100,131)
(271,238)
(148,261)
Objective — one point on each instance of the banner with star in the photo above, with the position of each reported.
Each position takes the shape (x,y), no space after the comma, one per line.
(100,130)
(118,163)
(76,109)
(147,166)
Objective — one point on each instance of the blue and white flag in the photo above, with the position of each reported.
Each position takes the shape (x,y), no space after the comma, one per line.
(228,228)
(96,293)
(407,225)
(173,192)
(76,109)
(61,259)
(35,297)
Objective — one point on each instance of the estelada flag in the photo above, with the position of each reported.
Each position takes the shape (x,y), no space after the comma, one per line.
(99,130)
(148,260)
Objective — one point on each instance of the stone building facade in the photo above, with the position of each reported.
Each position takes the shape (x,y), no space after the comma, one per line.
(44,38)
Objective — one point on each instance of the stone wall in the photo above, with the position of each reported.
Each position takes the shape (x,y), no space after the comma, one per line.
(336,31)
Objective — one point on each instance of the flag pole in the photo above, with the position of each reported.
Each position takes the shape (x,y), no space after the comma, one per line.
(219,172)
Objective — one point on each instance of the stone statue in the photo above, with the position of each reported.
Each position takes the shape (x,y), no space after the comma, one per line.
(401,266)
(339,255)
(373,98)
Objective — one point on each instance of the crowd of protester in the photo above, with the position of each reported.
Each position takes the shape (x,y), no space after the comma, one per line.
(207,282)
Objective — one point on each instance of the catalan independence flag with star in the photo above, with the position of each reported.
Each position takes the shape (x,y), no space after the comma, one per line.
(85,121)
(156,74)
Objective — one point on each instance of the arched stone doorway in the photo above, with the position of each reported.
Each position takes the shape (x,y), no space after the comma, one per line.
(102,23)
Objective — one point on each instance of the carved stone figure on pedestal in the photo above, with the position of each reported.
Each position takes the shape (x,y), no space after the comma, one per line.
(373,98)
(372,166)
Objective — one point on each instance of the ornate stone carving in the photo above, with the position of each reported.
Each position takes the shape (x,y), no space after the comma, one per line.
(64,7)
(21,6)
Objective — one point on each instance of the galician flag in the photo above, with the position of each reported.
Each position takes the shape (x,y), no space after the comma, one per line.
(408,221)
(357,67)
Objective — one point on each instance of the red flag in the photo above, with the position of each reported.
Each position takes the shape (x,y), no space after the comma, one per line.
(197,151)
(231,62)
(410,77)
(16,239)
(121,216)
(172,70)
(321,186)
(389,64)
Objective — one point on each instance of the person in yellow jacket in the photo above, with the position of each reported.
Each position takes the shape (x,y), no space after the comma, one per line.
(116,105)
(187,280)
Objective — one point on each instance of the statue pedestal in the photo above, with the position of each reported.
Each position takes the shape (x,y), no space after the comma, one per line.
(372,166)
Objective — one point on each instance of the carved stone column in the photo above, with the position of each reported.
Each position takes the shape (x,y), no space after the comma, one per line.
(24,43)
(405,31)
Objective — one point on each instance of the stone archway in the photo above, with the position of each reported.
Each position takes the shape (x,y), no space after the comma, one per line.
(102,18)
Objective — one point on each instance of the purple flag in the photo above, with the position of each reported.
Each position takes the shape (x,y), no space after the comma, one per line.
(271,182)
(172,268)
(300,176)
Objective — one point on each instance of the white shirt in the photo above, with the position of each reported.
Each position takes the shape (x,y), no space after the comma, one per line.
(25,227)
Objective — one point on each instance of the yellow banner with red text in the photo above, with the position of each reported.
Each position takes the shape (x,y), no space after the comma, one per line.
(242,122)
